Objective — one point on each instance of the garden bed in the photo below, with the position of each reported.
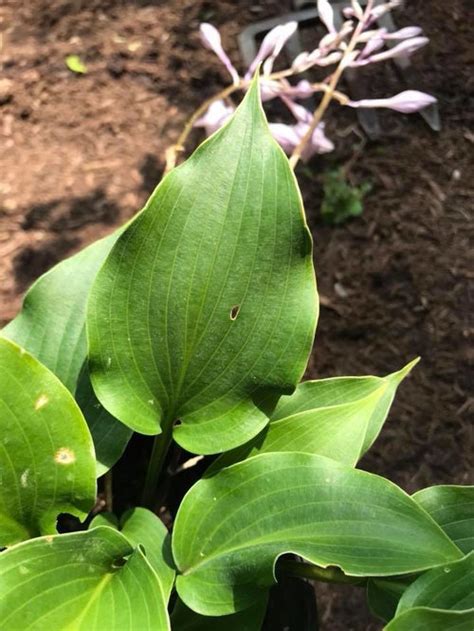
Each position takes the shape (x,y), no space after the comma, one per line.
(82,153)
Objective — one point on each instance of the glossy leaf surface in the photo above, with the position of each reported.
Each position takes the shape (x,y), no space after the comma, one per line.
(452,507)
(143,528)
(51,323)
(90,581)
(338,418)
(448,587)
(110,436)
(425,619)
(51,326)
(185,619)
(47,462)
(207,300)
(231,527)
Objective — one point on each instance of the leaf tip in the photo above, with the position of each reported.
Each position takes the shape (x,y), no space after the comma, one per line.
(400,375)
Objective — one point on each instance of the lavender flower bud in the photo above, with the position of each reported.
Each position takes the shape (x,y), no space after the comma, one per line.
(271,47)
(326,15)
(406,102)
(211,39)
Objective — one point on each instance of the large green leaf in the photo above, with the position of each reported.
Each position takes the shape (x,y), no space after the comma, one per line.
(47,463)
(143,528)
(185,619)
(425,619)
(231,527)
(51,323)
(93,580)
(448,587)
(452,507)
(439,600)
(335,391)
(51,326)
(110,436)
(208,300)
(338,418)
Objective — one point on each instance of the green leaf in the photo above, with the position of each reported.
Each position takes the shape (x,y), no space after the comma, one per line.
(381,412)
(338,418)
(231,527)
(452,507)
(185,619)
(424,619)
(47,460)
(439,600)
(51,323)
(383,595)
(109,435)
(75,64)
(105,519)
(208,299)
(448,587)
(143,528)
(51,326)
(93,580)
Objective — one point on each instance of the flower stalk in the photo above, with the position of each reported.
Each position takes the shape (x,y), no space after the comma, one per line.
(357,43)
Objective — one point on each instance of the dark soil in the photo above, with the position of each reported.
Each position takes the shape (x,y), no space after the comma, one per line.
(80,154)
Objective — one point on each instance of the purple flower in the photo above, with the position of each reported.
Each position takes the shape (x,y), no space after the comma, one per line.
(405,33)
(318,143)
(285,135)
(406,102)
(326,15)
(289,137)
(216,115)
(271,47)
(403,49)
(374,44)
(211,39)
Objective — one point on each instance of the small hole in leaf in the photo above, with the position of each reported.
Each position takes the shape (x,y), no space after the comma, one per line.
(234,312)
(119,562)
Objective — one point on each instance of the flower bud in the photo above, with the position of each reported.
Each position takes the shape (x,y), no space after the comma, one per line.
(326,15)
(211,39)
(406,102)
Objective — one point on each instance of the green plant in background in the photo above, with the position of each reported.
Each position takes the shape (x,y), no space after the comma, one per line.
(341,200)
(194,323)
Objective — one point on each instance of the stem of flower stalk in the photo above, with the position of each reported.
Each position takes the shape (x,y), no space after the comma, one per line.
(108,492)
(315,573)
(328,96)
(161,445)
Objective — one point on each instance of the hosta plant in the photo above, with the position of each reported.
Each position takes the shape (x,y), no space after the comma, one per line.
(193,324)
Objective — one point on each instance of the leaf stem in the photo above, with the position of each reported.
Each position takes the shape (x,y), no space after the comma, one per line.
(108,491)
(161,445)
(315,573)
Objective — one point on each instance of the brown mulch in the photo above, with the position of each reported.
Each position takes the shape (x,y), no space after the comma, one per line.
(81,153)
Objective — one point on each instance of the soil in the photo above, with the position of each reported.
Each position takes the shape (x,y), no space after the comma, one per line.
(81,153)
